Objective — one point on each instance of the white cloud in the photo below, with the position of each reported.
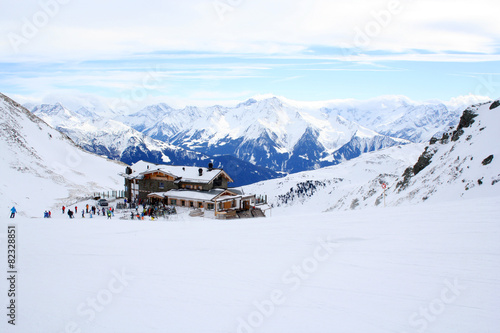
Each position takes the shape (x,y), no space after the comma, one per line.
(111,29)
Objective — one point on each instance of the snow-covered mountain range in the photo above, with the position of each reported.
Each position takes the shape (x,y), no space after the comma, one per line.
(273,133)
(460,163)
(115,140)
(290,136)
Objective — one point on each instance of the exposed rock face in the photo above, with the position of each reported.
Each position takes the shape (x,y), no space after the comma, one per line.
(487,160)
(466,120)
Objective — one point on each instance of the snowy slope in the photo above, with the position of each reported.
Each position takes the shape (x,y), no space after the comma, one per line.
(461,164)
(427,268)
(42,167)
(338,185)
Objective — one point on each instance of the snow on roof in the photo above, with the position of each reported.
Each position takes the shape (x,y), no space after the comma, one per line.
(190,174)
(193,195)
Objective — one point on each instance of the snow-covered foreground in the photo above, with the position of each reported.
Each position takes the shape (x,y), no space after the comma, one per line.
(426,268)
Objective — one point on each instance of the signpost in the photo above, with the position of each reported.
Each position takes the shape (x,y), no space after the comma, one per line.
(384,186)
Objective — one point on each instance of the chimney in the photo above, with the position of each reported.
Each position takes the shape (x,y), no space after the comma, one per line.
(128,171)
(200,170)
(210,166)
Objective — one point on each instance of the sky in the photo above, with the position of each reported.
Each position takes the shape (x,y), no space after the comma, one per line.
(206,52)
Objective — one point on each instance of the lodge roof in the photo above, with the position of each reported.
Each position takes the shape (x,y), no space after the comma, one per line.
(194,195)
(188,174)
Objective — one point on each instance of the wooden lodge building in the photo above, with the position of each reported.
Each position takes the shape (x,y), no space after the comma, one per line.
(185,186)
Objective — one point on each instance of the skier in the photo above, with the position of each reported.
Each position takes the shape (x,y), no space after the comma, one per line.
(109,214)
(87,208)
(13,212)
(76,209)
(83,213)
(63,208)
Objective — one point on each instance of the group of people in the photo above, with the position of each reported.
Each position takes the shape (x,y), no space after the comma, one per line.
(110,212)
(152,211)
(91,210)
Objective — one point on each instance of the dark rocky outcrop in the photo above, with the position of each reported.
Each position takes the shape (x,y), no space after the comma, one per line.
(466,120)
(487,160)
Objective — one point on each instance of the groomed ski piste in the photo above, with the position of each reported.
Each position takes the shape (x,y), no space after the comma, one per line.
(427,268)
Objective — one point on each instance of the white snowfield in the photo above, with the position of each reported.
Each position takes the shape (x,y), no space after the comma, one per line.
(432,267)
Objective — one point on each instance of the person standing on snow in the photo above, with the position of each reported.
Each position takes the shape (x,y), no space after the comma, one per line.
(13,212)
(76,209)
(63,208)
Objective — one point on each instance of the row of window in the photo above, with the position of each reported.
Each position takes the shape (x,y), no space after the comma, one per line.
(185,203)
(210,206)
(161,185)
(192,187)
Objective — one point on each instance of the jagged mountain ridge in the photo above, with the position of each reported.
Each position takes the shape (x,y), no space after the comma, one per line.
(270,132)
(115,140)
(275,133)
(400,117)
